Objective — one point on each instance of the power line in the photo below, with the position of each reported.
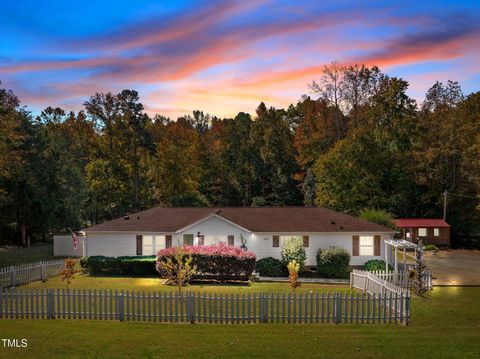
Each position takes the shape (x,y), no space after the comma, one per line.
(463,195)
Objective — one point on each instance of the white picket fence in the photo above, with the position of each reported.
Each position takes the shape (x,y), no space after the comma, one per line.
(26,273)
(402,279)
(198,307)
(378,284)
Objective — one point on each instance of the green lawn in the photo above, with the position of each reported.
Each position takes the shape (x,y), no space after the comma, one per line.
(444,325)
(12,255)
(155,284)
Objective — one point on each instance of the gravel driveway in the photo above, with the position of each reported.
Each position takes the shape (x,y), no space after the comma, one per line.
(454,267)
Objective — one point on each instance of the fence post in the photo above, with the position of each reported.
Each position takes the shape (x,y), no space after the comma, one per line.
(407,309)
(351,280)
(263,309)
(13,276)
(50,304)
(188,312)
(42,272)
(120,307)
(339,308)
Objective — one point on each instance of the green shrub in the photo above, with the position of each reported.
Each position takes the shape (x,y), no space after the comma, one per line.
(377,216)
(270,267)
(333,262)
(375,265)
(430,247)
(292,250)
(131,266)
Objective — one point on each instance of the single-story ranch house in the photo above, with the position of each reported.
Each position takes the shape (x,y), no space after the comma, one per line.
(260,229)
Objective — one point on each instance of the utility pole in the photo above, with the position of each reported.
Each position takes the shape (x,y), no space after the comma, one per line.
(445,194)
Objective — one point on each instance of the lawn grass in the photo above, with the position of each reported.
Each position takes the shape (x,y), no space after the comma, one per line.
(13,255)
(444,325)
(155,284)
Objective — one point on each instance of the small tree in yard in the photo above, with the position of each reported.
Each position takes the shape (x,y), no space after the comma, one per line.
(293,269)
(292,250)
(177,268)
(419,284)
(68,272)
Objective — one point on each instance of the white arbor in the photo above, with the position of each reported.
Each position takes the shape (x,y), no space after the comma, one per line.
(395,245)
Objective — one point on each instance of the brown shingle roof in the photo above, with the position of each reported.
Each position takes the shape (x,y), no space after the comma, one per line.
(255,219)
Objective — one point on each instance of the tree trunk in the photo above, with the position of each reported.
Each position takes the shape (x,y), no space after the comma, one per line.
(136,178)
(23,231)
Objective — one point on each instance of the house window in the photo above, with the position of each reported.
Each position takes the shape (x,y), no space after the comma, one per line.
(188,239)
(366,245)
(422,232)
(436,232)
(152,244)
(306,241)
(275,241)
(231,240)
(147,245)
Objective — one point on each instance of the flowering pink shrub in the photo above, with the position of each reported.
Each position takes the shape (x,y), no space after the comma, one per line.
(220,262)
(220,249)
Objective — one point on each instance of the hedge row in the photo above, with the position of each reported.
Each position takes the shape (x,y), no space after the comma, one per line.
(132,266)
(219,262)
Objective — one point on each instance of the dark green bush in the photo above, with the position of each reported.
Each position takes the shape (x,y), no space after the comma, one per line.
(270,267)
(430,247)
(333,262)
(375,265)
(134,266)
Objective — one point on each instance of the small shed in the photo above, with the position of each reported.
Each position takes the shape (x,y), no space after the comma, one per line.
(429,230)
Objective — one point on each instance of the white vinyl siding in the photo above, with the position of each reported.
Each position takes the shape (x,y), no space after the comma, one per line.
(366,246)
(124,244)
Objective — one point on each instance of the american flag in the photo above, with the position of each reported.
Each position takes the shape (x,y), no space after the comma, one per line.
(74,239)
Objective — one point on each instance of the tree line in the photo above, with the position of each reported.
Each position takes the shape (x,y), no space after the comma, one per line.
(358,141)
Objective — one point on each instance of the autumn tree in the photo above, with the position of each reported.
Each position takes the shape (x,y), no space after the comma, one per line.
(315,131)
(117,177)
(370,167)
(175,169)
(446,156)
(329,89)
(274,139)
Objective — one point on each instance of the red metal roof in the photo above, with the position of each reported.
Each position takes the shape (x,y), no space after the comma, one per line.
(420,222)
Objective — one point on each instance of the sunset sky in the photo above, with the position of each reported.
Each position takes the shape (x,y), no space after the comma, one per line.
(225,57)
